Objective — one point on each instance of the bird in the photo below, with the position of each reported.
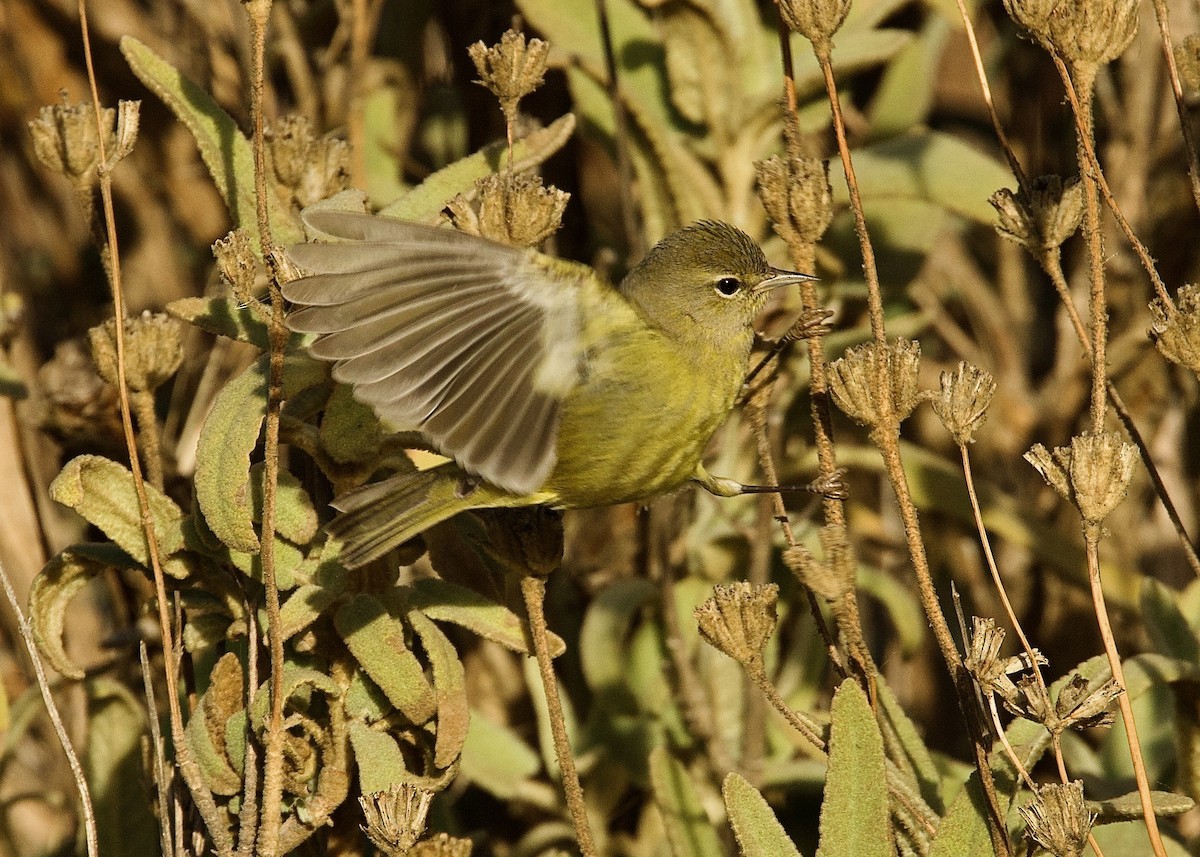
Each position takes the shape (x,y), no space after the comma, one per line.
(540,382)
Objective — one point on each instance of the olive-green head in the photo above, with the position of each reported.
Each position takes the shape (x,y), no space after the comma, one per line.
(705,282)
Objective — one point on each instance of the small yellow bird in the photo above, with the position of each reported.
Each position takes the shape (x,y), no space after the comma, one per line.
(543,383)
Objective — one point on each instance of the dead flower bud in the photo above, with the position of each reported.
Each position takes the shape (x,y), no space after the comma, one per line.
(796,194)
(1032,701)
(1176,329)
(1079,708)
(1043,219)
(515,210)
(962,405)
(442,845)
(511,69)
(1058,818)
(1093,472)
(237,264)
(983,660)
(738,619)
(65,141)
(816,20)
(1084,34)
(311,168)
(1187,59)
(395,819)
(854,387)
(153,350)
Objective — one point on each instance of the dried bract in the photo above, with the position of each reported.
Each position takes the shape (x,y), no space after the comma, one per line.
(796,193)
(738,619)
(310,167)
(1042,219)
(1176,329)
(511,69)
(65,139)
(153,350)
(1078,707)
(854,380)
(963,402)
(237,263)
(513,209)
(1093,472)
(816,20)
(1058,819)
(395,818)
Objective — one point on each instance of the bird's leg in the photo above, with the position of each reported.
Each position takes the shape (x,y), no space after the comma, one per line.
(832,486)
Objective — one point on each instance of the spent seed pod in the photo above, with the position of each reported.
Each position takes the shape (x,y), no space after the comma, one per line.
(738,619)
(510,69)
(853,380)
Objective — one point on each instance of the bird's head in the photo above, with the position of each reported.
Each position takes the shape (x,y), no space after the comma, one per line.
(707,281)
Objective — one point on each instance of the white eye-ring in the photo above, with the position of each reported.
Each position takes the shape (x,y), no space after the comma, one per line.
(727,287)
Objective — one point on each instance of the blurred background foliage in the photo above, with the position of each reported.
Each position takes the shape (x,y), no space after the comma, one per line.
(700,89)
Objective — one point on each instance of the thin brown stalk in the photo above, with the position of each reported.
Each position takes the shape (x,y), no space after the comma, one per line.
(162,782)
(629,217)
(60,729)
(258,13)
(248,814)
(534,591)
(188,767)
(1092,544)
(1162,15)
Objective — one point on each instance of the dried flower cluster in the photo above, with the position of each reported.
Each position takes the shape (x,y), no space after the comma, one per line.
(1058,819)
(816,20)
(853,380)
(395,819)
(795,192)
(1043,218)
(1093,472)
(1176,329)
(309,167)
(517,210)
(1084,33)
(738,619)
(237,264)
(511,69)
(963,401)
(153,350)
(66,139)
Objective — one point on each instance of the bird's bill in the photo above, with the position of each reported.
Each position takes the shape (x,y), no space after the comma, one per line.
(780,277)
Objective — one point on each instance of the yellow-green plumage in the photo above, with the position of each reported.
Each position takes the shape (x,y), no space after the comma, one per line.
(550,387)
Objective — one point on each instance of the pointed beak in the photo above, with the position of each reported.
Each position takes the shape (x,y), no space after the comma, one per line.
(780,277)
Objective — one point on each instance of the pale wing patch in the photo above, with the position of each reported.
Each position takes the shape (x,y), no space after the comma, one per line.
(474,343)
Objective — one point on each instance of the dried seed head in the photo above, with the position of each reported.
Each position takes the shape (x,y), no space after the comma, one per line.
(1176,329)
(395,818)
(983,659)
(65,141)
(1084,33)
(1058,819)
(1187,60)
(442,845)
(309,167)
(1043,219)
(796,194)
(78,404)
(853,380)
(513,209)
(1032,702)
(153,350)
(1079,708)
(511,69)
(962,405)
(831,578)
(237,264)
(738,619)
(816,20)
(1093,472)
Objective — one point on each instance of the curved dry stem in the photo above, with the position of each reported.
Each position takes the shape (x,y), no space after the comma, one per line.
(60,729)
(534,591)
(1092,543)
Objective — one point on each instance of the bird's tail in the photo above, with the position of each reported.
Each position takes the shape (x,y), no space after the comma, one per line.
(378,517)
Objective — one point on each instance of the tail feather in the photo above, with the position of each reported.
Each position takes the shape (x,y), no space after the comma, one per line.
(378,517)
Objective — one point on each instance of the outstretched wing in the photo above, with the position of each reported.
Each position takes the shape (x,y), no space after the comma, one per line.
(472,342)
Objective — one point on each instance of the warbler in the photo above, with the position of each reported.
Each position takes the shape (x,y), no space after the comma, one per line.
(542,382)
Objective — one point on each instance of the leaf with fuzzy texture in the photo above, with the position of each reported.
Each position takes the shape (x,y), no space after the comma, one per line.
(59,581)
(757,829)
(443,601)
(449,688)
(376,638)
(689,830)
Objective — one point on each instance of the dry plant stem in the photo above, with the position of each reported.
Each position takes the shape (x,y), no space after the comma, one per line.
(1092,544)
(633,234)
(534,591)
(162,783)
(188,767)
(248,814)
(258,13)
(60,729)
(1013,163)
(1185,122)
(147,423)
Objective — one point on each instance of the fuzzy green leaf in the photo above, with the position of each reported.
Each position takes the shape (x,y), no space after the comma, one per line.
(102,491)
(964,830)
(377,640)
(295,679)
(207,729)
(450,688)
(1129,806)
(230,433)
(380,761)
(854,812)
(443,601)
(53,588)
(224,317)
(1165,623)
(350,432)
(225,150)
(689,830)
(125,823)
(425,202)
(295,514)
(495,759)
(757,829)
(913,757)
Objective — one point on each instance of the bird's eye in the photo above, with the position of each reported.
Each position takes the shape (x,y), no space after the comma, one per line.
(727,287)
